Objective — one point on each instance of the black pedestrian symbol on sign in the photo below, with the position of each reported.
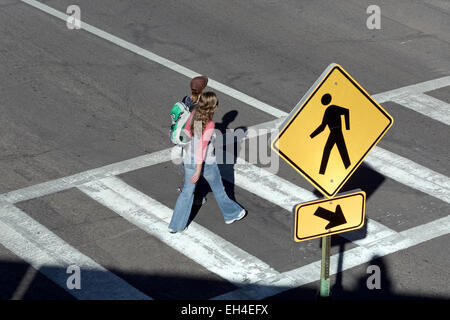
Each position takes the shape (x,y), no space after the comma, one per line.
(332,119)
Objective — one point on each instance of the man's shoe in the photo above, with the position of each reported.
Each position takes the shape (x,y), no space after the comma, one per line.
(239,217)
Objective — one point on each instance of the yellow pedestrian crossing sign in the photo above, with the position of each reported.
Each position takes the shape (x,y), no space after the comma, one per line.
(325,217)
(331,130)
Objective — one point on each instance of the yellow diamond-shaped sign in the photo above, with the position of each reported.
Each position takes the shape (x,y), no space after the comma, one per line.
(331,130)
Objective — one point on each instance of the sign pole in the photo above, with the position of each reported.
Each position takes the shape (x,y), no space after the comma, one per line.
(325,268)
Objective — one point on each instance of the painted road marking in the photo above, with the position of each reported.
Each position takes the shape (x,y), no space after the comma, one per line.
(114,169)
(287,195)
(419,171)
(421,87)
(389,164)
(51,255)
(380,98)
(61,184)
(426,105)
(434,181)
(162,61)
(353,257)
(409,173)
(197,243)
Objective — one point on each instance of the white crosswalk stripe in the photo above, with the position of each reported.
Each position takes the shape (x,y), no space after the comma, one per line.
(426,105)
(409,173)
(287,195)
(49,254)
(40,247)
(199,244)
(353,257)
(417,88)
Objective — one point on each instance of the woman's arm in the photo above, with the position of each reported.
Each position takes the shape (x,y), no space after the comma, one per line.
(200,151)
(196,175)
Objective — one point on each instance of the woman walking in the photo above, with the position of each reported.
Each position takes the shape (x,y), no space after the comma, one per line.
(199,158)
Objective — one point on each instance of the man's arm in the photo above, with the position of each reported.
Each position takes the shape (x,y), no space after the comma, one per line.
(318,130)
(347,118)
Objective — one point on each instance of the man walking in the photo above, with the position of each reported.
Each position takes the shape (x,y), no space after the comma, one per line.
(332,119)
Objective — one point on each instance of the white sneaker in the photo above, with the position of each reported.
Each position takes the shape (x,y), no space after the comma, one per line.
(239,217)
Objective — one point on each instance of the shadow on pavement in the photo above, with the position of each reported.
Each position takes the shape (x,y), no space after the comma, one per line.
(368,180)
(19,281)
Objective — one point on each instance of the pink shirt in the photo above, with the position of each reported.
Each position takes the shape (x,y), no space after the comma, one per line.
(200,152)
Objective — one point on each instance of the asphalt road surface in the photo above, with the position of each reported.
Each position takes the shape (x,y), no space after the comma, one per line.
(87,179)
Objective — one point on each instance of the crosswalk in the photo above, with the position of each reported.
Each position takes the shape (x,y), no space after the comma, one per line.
(197,243)
(49,254)
(253,277)
(40,247)
(426,105)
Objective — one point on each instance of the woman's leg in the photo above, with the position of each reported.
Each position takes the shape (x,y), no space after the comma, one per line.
(184,202)
(230,209)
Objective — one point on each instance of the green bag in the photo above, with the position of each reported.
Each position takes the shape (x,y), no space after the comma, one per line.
(179,116)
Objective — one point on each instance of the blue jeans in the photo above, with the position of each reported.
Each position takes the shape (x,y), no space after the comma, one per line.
(183,206)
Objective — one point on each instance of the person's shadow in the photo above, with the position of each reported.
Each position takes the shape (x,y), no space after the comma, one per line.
(227,147)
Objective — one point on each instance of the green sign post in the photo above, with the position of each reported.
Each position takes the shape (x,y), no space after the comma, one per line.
(325,267)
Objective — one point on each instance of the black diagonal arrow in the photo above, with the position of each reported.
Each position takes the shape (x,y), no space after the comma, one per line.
(336,218)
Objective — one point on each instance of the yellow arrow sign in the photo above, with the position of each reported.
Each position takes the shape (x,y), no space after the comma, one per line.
(329,216)
(331,130)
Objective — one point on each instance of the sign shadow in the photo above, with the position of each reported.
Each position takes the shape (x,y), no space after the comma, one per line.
(368,180)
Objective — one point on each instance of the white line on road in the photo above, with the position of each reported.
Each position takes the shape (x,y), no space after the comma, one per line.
(426,105)
(146,160)
(385,162)
(57,185)
(431,178)
(391,165)
(353,257)
(49,254)
(409,173)
(380,98)
(197,243)
(413,89)
(287,195)
(162,61)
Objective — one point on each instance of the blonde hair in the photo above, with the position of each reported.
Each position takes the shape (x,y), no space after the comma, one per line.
(204,111)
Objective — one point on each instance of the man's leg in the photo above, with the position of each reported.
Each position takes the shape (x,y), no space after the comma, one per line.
(326,152)
(340,142)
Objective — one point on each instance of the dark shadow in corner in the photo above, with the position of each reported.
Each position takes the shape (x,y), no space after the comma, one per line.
(20,281)
(376,284)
